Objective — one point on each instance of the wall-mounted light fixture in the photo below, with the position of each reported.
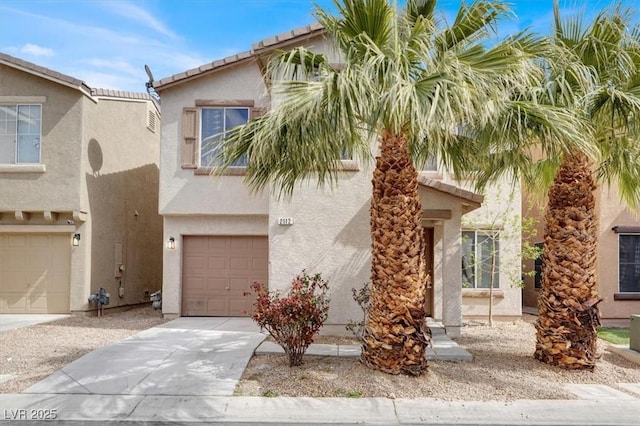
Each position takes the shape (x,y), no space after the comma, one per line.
(76,240)
(171,243)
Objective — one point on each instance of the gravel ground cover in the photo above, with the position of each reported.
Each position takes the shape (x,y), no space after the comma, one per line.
(30,354)
(503,369)
(503,366)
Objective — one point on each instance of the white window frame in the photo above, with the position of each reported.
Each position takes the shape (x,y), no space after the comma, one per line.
(626,234)
(224,125)
(15,162)
(494,234)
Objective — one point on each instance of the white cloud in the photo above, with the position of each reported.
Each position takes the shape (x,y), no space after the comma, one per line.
(119,66)
(138,14)
(35,50)
(80,33)
(110,52)
(106,80)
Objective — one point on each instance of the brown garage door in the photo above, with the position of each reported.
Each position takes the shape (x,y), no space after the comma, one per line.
(217,272)
(34,273)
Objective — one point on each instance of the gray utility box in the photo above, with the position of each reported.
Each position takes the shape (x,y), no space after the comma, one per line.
(634,333)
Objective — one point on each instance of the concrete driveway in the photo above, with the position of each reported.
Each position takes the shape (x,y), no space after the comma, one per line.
(186,357)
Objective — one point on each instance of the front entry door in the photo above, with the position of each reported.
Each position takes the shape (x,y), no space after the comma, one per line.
(428,258)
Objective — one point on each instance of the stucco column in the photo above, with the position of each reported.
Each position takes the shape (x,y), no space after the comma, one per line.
(438,271)
(81,268)
(171,272)
(452,282)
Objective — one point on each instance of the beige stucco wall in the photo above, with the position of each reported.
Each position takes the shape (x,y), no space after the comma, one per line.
(183,192)
(58,188)
(612,213)
(101,162)
(199,204)
(120,194)
(500,212)
(330,235)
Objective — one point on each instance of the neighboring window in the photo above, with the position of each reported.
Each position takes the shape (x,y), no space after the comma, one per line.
(344,155)
(20,127)
(215,123)
(537,279)
(629,259)
(431,165)
(480,255)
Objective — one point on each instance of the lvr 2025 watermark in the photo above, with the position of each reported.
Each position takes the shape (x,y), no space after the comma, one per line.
(30,414)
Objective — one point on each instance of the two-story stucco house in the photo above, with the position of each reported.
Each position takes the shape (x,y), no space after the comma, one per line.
(220,237)
(78,192)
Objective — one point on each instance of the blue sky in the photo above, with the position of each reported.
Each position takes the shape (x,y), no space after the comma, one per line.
(107,43)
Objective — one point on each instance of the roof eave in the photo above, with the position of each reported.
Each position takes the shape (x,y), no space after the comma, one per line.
(50,75)
(470,200)
(259,49)
(202,71)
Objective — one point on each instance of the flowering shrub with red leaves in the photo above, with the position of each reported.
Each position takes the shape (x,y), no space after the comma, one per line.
(293,320)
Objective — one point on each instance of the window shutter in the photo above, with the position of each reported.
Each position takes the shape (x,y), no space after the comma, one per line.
(189,138)
(258,112)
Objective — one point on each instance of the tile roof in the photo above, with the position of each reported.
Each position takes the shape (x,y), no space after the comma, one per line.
(47,73)
(67,80)
(258,48)
(451,189)
(110,93)
(287,37)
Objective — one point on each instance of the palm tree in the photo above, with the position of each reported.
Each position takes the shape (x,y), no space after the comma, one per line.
(419,89)
(610,103)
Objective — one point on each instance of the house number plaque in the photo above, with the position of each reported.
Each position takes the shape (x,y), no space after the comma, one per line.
(285,221)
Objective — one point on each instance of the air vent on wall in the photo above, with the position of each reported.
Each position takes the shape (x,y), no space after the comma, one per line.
(151,120)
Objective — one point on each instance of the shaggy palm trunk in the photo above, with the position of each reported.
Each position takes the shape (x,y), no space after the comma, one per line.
(567,327)
(396,336)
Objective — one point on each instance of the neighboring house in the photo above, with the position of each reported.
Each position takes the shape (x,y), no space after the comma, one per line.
(618,270)
(78,192)
(221,237)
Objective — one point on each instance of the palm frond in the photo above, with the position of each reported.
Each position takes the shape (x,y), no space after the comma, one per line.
(472,23)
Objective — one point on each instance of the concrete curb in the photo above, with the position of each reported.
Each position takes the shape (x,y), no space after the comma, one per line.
(164,409)
(625,352)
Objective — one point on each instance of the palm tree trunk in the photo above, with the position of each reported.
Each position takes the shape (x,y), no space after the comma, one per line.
(567,327)
(396,336)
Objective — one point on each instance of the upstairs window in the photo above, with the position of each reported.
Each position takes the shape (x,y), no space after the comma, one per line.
(480,256)
(215,124)
(629,263)
(20,133)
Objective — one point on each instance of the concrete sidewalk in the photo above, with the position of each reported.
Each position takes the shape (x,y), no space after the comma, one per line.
(442,348)
(13,321)
(159,409)
(185,372)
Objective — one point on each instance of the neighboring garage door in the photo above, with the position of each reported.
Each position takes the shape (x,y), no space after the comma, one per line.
(217,273)
(34,273)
